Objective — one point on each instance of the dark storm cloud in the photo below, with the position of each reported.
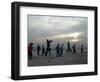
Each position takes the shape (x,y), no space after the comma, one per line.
(57,28)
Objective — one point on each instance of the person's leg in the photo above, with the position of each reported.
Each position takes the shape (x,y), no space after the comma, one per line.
(31,56)
(75,52)
(46,52)
(67,50)
(49,52)
(38,52)
(70,50)
(42,53)
(28,55)
(57,53)
(61,52)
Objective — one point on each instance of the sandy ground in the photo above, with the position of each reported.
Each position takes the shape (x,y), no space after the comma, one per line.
(65,59)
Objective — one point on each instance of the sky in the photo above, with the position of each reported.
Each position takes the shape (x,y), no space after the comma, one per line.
(60,29)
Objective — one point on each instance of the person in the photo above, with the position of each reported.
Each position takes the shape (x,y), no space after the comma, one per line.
(58,50)
(74,49)
(30,47)
(48,49)
(38,49)
(61,50)
(43,50)
(69,48)
(82,48)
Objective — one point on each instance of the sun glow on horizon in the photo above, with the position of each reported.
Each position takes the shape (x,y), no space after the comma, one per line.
(75,40)
(74,35)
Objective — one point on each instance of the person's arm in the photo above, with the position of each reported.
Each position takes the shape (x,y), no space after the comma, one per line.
(51,41)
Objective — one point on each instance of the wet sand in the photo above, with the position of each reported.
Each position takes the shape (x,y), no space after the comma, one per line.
(65,59)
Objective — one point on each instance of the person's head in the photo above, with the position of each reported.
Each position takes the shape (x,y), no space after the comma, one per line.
(31,44)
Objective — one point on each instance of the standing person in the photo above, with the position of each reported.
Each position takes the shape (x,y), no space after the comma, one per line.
(48,49)
(43,50)
(69,48)
(61,50)
(38,49)
(82,48)
(30,47)
(57,50)
(74,48)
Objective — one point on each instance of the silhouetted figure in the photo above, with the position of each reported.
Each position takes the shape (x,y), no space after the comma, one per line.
(61,50)
(43,50)
(82,48)
(74,49)
(30,47)
(58,50)
(69,48)
(48,49)
(38,49)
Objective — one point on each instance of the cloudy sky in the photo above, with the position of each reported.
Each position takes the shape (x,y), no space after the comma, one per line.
(60,29)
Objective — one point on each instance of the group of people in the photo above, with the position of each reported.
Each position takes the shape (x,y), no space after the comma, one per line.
(59,49)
